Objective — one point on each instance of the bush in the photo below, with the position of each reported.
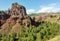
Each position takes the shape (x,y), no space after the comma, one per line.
(43,32)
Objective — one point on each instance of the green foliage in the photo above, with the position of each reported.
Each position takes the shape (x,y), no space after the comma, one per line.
(43,32)
(14,3)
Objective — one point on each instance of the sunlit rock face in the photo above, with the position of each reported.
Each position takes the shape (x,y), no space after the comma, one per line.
(15,18)
(17,9)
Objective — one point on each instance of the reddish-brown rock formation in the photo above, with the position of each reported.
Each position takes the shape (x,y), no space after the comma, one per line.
(17,11)
(15,18)
(3,18)
(5,28)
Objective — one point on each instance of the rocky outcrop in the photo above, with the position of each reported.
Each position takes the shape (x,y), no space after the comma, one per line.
(14,18)
(16,10)
(3,18)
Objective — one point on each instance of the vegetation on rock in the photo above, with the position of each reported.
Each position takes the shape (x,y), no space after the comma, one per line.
(16,25)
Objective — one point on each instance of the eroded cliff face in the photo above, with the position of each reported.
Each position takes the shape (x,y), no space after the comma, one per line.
(15,18)
(3,18)
(16,10)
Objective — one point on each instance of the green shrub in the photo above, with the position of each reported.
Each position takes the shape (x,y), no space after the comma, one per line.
(43,32)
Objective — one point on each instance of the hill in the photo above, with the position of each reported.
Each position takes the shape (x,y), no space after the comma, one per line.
(17,25)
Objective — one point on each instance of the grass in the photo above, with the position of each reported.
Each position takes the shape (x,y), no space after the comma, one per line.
(57,38)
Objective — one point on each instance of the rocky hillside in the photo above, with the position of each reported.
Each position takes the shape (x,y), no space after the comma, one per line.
(15,17)
(17,25)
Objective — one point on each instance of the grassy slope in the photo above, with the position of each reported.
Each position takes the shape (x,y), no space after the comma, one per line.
(57,38)
(54,19)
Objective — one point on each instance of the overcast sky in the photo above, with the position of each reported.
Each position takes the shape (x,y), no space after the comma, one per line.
(33,6)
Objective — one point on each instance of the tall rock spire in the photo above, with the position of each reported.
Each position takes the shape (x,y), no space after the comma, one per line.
(17,9)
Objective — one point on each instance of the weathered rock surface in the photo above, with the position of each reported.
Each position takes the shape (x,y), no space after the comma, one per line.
(16,17)
(14,11)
